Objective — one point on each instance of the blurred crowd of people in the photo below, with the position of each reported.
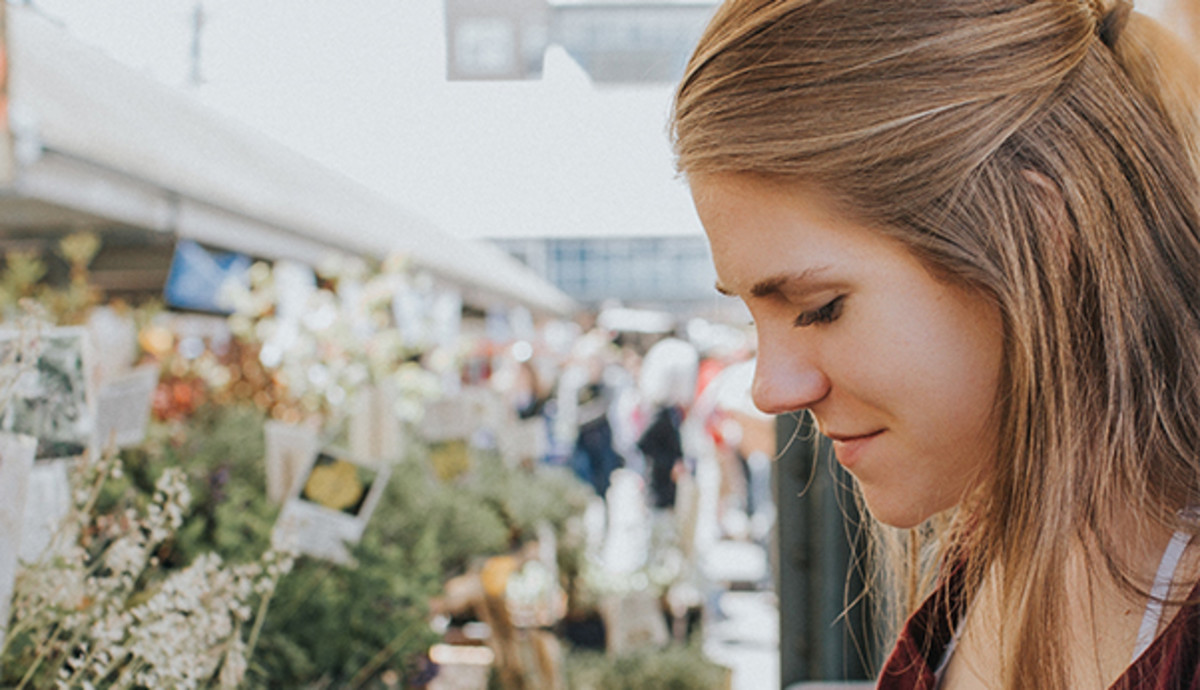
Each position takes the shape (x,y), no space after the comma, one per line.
(660,406)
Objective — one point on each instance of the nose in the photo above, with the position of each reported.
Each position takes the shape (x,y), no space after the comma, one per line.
(787,378)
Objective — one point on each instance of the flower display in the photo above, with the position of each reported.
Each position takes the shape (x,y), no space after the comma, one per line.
(325,339)
(98,610)
(162,573)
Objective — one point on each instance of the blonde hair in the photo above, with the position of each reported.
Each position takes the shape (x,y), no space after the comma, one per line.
(1044,153)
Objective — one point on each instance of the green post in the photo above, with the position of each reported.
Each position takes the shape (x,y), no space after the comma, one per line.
(817,519)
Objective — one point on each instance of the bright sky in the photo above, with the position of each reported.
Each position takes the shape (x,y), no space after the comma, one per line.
(360,87)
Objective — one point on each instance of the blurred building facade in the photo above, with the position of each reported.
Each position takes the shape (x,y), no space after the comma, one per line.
(89,144)
(615,42)
(671,273)
(618,44)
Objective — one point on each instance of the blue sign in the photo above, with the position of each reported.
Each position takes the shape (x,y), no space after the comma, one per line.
(198,277)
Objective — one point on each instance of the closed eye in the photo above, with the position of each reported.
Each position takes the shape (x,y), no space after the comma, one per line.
(825,314)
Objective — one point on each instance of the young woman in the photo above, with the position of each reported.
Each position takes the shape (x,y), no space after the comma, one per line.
(968,232)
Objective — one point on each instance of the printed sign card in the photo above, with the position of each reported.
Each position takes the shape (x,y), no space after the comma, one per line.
(48,501)
(51,400)
(198,276)
(448,425)
(16,461)
(374,426)
(114,342)
(331,505)
(290,450)
(123,408)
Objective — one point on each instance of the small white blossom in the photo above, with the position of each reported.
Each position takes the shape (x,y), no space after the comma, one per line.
(181,635)
(234,667)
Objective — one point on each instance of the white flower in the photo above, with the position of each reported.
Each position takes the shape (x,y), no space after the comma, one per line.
(126,555)
(234,667)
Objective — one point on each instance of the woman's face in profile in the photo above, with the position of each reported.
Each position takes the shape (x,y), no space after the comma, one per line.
(899,368)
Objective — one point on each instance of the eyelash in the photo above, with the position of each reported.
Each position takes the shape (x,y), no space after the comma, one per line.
(826,314)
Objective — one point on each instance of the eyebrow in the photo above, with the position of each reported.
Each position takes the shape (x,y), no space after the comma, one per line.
(802,281)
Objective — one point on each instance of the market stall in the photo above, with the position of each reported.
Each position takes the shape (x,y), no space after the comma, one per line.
(323,473)
(89,144)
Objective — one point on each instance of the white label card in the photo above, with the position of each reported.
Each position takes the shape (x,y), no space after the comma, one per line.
(16,461)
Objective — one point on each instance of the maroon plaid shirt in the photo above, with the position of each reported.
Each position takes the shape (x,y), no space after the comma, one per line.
(1172,662)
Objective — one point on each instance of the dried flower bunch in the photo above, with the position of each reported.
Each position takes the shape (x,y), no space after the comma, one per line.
(328,339)
(20,357)
(98,610)
(24,271)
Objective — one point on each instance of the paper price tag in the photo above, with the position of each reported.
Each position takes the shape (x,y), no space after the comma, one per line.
(329,508)
(51,398)
(290,450)
(123,408)
(16,461)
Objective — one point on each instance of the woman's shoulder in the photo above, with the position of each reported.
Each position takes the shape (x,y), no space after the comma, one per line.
(1173,659)
(925,639)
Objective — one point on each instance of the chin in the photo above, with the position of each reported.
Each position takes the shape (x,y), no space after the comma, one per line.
(901,521)
(900,515)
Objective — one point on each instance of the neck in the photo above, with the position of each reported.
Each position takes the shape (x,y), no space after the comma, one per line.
(1100,613)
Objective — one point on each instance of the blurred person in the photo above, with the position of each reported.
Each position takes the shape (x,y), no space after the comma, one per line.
(584,399)
(525,436)
(724,424)
(968,232)
(626,413)
(667,384)
(529,396)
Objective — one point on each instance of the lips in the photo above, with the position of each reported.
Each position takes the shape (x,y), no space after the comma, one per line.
(850,448)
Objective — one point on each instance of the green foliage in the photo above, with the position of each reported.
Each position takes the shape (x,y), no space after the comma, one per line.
(330,625)
(341,623)
(673,668)
(22,271)
(524,498)
(91,612)
(27,274)
(221,450)
(451,526)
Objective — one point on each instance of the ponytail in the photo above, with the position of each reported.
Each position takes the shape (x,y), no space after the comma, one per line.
(1162,67)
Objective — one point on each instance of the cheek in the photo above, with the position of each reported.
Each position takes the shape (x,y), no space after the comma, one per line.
(888,352)
(934,358)
(958,380)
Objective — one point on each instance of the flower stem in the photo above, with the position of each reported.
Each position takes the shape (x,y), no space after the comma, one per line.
(369,669)
(259,618)
(43,651)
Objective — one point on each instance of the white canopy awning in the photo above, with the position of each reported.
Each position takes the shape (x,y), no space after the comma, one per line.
(93,141)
